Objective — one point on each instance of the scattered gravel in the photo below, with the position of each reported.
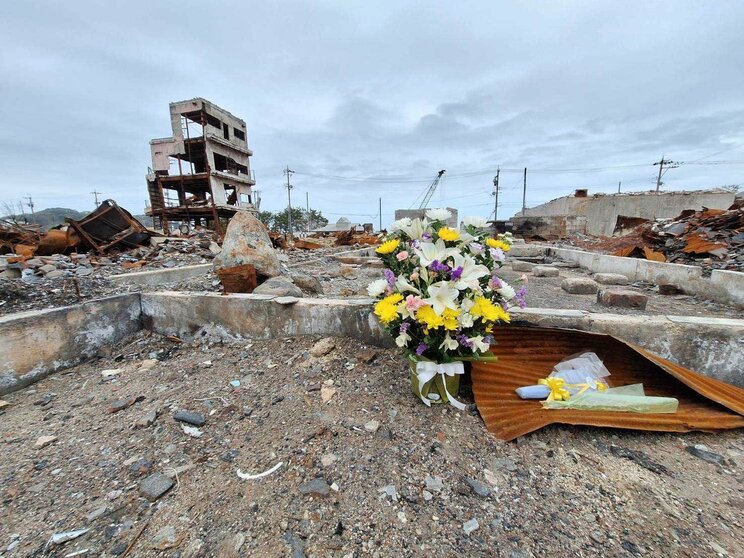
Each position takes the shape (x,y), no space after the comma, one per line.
(428,482)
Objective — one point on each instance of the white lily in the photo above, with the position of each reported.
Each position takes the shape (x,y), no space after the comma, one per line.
(438,214)
(474,221)
(402,339)
(376,288)
(428,252)
(478,344)
(403,286)
(415,228)
(471,271)
(449,343)
(442,295)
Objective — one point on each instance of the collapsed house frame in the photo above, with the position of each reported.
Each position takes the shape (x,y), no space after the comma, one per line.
(201,175)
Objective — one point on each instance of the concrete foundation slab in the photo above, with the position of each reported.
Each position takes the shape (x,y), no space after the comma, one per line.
(162,276)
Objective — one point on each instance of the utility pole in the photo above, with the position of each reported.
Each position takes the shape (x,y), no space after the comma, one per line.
(95,196)
(663,163)
(307,203)
(380,210)
(496,194)
(289,173)
(524,191)
(618,186)
(30,203)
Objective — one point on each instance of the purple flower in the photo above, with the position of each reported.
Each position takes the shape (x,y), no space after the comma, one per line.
(415,244)
(519,296)
(476,247)
(498,254)
(464,341)
(439,267)
(421,348)
(495,283)
(426,236)
(456,274)
(390,277)
(404,327)
(488,339)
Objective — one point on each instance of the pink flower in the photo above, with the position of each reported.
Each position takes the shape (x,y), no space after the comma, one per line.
(414,276)
(413,303)
(524,278)
(402,255)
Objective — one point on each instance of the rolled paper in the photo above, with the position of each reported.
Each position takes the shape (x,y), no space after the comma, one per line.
(533,392)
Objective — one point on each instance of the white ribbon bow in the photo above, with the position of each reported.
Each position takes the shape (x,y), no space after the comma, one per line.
(426,370)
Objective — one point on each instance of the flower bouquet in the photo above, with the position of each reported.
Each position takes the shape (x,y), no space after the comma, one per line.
(441,298)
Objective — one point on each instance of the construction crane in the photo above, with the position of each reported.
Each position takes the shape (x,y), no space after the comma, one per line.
(430,190)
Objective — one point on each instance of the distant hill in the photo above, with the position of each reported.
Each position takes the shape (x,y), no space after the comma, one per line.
(50,217)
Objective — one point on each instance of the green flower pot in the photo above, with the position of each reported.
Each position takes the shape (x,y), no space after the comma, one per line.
(433,390)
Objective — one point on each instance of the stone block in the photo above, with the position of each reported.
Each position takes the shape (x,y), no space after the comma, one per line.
(545,271)
(519,265)
(622,298)
(154,486)
(611,278)
(579,285)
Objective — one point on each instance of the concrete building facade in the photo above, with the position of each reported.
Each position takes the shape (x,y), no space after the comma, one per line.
(200,175)
(597,215)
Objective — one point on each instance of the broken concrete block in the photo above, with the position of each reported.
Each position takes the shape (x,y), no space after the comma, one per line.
(154,486)
(44,441)
(315,487)
(323,347)
(579,285)
(545,271)
(57,273)
(247,242)
(622,299)
(611,278)
(190,417)
(308,283)
(48,268)
(279,286)
(519,265)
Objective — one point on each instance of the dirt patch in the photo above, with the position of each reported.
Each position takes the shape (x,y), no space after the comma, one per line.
(371,471)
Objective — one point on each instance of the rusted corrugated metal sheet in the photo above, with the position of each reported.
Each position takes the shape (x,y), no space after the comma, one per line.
(527,354)
(696,244)
(109,226)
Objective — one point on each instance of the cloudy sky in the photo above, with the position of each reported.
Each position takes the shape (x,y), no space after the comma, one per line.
(369,99)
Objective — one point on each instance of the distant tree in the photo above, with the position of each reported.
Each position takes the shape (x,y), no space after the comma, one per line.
(266,217)
(300,219)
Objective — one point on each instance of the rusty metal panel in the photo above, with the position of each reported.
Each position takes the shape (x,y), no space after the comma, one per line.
(109,226)
(527,354)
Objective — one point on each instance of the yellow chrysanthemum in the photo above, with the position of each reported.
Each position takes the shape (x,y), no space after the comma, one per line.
(427,317)
(495,243)
(387,308)
(388,247)
(449,317)
(488,311)
(448,235)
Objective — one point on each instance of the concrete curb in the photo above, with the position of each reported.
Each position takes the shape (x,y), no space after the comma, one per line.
(37,343)
(723,286)
(162,276)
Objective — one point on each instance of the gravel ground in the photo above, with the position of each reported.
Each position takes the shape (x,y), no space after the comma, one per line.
(369,472)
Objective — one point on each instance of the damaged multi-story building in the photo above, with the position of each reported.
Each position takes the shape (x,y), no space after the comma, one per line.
(201,175)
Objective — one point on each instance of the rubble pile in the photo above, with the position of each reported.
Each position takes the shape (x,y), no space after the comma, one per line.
(315,447)
(711,238)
